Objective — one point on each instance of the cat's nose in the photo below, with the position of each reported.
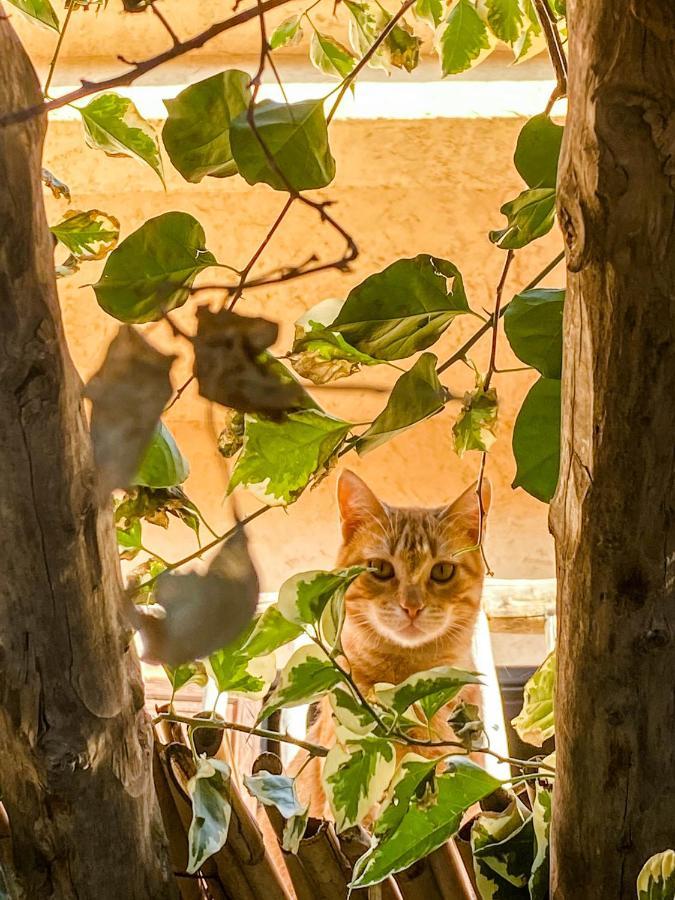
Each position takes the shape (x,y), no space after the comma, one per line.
(412,611)
(411,602)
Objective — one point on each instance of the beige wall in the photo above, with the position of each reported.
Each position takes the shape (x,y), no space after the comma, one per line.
(402,187)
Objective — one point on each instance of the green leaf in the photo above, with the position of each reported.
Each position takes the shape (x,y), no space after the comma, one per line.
(113,124)
(443,680)
(209,791)
(355,776)
(188,673)
(197,130)
(130,539)
(303,597)
(656,880)
(503,852)
(408,782)
(477,421)
(538,151)
(533,323)
(40,10)
(535,722)
(330,56)
(88,235)
(350,713)
(541,822)
(462,39)
(429,11)
(536,440)
(235,670)
(287,33)
(426,825)
(529,216)
(275,790)
(278,460)
(307,675)
(403,309)
(505,18)
(163,465)
(295,135)
(270,631)
(417,395)
(152,270)
(294,831)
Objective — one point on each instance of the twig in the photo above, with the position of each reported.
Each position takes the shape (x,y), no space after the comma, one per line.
(167,25)
(179,392)
(192,556)
(314,749)
(464,349)
(141,68)
(555,51)
(239,290)
(495,317)
(52,65)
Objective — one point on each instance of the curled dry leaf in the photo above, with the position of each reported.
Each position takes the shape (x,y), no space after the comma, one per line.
(58,188)
(128,394)
(230,367)
(194,615)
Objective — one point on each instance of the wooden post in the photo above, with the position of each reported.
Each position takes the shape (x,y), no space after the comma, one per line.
(614,513)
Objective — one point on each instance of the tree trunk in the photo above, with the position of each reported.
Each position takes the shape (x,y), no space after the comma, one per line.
(613,515)
(75,744)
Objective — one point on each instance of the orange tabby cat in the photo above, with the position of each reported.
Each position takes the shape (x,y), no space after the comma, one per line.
(415,608)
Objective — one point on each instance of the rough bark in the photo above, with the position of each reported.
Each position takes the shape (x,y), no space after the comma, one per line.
(613,516)
(75,746)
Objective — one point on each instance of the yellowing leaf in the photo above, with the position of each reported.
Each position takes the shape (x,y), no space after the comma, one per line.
(355,776)
(476,423)
(287,33)
(88,235)
(535,722)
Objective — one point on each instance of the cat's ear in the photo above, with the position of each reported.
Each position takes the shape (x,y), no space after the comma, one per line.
(357,503)
(466,509)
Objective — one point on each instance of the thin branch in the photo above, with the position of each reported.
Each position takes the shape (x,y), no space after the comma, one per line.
(464,349)
(495,317)
(198,553)
(52,65)
(239,290)
(555,51)
(143,67)
(313,749)
(167,25)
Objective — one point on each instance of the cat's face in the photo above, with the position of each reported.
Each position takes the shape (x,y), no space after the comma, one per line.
(420,587)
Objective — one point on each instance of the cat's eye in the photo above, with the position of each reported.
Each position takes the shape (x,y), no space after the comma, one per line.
(442,572)
(382,569)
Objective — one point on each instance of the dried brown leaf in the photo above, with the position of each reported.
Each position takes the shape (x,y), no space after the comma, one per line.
(231,368)
(128,394)
(194,615)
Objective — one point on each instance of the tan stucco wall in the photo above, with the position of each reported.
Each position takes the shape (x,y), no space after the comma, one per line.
(402,187)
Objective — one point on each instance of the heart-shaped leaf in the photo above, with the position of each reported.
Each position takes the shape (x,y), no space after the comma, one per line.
(152,270)
(402,309)
(197,130)
(289,147)
(533,323)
